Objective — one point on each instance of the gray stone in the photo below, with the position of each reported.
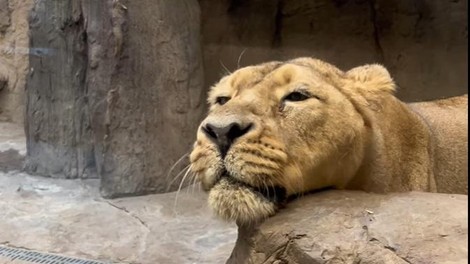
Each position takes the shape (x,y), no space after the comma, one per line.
(68,217)
(358,227)
(58,133)
(12,146)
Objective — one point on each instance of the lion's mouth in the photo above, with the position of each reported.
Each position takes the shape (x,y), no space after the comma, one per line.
(233,199)
(274,194)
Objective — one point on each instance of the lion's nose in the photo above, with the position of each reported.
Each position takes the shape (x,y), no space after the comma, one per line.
(224,136)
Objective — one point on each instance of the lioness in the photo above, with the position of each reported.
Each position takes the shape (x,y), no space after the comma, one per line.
(283,128)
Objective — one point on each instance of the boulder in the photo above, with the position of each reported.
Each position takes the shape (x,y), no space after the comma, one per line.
(358,227)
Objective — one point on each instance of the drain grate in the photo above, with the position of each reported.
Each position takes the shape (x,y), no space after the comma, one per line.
(36,257)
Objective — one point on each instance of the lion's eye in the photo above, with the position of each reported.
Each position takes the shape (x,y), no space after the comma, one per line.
(221,100)
(296,96)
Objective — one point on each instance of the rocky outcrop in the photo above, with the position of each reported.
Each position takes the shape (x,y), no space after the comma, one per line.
(357,227)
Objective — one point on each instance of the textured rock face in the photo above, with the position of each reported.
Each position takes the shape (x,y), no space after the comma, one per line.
(423,43)
(58,133)
(4,16)
(13,58)
(356,227)
(116,93)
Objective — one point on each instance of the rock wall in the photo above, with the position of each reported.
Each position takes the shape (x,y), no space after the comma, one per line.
(117,94)
(13,58)
(423,43)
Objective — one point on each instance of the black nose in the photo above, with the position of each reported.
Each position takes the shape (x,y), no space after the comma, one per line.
(225,135)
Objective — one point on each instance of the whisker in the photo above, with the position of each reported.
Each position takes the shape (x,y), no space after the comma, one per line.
(193,182)
(301,182)
(179,188)
(175,164)
(240,57)
(177,176)
(225,68)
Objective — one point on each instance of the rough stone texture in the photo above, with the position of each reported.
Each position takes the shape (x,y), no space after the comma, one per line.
(5,16)
(154,98)
(423,43)
(13,58)
(357,227)
(68,217)
(59,139)
(12,146)
(120,97)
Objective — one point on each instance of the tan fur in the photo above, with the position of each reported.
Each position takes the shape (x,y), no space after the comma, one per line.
(354,133)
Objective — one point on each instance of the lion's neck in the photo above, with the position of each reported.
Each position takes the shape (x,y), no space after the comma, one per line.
(398,155)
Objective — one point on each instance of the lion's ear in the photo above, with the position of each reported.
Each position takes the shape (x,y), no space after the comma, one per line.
(372,78)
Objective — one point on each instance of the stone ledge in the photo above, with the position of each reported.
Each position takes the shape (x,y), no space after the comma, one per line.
(357,227)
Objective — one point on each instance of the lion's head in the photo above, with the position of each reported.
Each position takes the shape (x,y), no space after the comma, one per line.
(282,128)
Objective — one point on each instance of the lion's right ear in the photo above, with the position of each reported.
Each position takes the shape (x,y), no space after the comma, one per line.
(372,78)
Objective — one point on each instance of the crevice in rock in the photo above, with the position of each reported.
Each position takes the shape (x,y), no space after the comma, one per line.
(388,247)
(376,29)
(281,253)
(278,19)
(129,213)
(7,244)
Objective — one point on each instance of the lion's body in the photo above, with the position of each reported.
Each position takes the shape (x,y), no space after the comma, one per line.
(418,147)
(447,120)
(289,128)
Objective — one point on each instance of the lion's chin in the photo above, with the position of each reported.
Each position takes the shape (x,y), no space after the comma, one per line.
(235,201)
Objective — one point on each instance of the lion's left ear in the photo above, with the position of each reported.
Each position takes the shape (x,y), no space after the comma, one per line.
(372,78)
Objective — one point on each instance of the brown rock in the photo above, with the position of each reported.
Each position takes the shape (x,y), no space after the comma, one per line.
(13,58)
(115,92)
(357,227)
(144,116)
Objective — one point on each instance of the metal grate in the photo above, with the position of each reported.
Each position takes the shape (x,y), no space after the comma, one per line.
(36,257)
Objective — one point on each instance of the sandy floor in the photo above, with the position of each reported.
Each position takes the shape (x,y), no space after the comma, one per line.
(68,217)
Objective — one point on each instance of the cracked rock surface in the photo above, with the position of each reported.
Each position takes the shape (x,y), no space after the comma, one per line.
(68,217)
(357,227)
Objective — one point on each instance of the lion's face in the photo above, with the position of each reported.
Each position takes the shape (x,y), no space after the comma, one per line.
(274,130)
